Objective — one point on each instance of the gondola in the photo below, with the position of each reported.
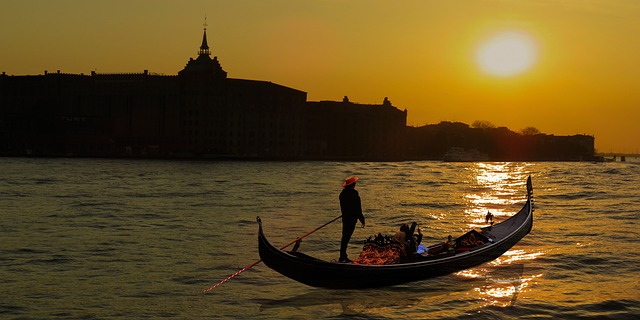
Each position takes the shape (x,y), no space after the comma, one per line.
(319,273)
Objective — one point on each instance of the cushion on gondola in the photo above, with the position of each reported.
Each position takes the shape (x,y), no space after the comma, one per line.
(375,254)
(470,240)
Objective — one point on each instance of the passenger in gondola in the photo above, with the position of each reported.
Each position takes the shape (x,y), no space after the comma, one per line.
(418,238)
(448,246)
(351,208)
(401,236)
(412,245)
(421,249)
(451,244)
(408,239)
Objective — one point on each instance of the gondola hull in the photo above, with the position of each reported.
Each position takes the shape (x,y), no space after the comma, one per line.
(319,273)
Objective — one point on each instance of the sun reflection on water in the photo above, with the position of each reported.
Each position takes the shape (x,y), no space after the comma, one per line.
(515,256)
(498,188)
(500,285)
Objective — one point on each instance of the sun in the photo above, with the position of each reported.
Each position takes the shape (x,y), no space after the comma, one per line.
(507,54)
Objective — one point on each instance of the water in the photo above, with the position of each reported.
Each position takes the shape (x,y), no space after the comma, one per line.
(117,239)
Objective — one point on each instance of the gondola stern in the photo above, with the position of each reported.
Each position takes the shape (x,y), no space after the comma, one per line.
(263,243)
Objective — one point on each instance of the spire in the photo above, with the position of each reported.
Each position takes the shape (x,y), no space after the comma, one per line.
(203,65)
(204,48)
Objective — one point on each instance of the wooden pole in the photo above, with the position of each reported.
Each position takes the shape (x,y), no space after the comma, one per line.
(256,262)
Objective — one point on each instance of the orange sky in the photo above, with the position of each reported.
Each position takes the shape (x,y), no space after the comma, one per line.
(419,53)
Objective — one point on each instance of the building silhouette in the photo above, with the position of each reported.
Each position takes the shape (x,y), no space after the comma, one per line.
(202,113)
(350,131)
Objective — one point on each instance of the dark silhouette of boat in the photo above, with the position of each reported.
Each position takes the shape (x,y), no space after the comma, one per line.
(319,273)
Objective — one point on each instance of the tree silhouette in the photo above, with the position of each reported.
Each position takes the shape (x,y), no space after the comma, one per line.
(530,131)
(482,124)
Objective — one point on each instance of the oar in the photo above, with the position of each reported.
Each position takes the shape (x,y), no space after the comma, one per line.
(253,264)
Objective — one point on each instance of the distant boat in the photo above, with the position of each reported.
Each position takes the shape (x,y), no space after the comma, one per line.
(456,154)
(496,240)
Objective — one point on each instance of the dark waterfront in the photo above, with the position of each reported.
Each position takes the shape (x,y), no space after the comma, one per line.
(111,239)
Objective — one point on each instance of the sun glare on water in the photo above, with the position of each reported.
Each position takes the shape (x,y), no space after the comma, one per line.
(507,54)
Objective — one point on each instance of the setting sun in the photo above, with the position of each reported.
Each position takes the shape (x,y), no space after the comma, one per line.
(507,54)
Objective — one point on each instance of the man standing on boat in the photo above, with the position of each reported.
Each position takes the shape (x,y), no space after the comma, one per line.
(351,213)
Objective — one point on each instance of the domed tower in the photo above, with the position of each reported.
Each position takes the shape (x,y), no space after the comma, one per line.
(203,65)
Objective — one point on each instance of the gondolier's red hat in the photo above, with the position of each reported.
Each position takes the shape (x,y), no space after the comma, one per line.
(350,180)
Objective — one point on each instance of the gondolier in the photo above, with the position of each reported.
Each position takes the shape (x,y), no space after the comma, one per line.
(351,208)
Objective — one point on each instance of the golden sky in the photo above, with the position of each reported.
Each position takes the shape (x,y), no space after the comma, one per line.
(582,75)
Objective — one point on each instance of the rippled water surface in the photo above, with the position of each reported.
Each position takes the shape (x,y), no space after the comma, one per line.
(110,239)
